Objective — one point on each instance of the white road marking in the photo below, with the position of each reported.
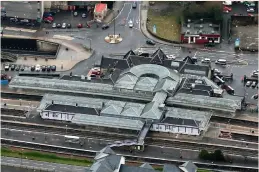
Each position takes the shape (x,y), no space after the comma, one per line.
(119,13)
(20,29)
(63,37)
(129,12)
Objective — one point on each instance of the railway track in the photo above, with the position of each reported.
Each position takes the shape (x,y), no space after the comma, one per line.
(119,137)
(233,121)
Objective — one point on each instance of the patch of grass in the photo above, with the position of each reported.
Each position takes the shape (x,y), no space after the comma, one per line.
(203,170)
(167,24)
(47,157)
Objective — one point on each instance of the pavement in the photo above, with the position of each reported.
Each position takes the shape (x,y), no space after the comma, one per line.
(23,164)
(97,144)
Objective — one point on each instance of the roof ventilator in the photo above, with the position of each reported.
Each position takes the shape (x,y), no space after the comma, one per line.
(188,25)
(201,26)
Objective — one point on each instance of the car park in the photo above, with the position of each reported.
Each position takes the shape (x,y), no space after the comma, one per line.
(130,24)
(12,67)
(150,42)
(134,5)
(48,68)
(43,68)
(221,62)
(17,68)
(105,26)
(33,68)
(53,68)
(80,25)
(54,25)
(248,83)
(37,68)
(206,60)
(68,25)
(254,84)
(6,67)
(58,25)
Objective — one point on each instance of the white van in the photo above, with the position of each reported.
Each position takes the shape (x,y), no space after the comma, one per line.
(221,62)
(130,24)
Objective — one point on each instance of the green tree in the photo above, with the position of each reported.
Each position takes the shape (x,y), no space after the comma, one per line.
(218,155)
(204,154)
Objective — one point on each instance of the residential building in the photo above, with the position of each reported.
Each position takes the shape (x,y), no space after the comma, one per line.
(200,32)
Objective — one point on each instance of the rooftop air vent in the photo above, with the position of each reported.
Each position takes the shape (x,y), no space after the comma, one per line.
(188,31)
(188,25)
(200,31)
(212,31)
(210,25)
(201,26)
(201,20)
(192,86)
(161,106)
(189,20)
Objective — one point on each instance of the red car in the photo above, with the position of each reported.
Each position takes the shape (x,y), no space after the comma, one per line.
(49,18)
(80,25)
(227,9)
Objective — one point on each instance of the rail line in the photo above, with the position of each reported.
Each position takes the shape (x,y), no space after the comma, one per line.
(129,158)
(117,137)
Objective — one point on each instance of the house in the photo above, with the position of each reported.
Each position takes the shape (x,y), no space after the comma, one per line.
(100,11)
(200,32)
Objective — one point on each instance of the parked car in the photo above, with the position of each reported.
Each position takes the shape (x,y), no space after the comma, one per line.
(43,68)
(64,25)
(53,68)
(80,25)
(75,14)
(250,10)
(248,83)
(206,60)
(131,24)
(6,67)
(49,18)
(84,15)
(216,71)
(17,68)
(194,59)
(48,68)
(54,25)
(171,56)
(22,68)
(58,25)
(37,68)
(33,68)
(221,62)
(12,67)
(150,42)
(68,26)
(47,21)
(254,84)
(105,26)
(134,5)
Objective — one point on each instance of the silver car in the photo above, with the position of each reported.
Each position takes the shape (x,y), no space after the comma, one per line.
(54,25)
(64,25)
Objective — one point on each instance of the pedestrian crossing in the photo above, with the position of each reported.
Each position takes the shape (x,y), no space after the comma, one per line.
(20,29)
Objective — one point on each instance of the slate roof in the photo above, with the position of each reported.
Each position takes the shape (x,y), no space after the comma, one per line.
(146,84)
(128,54)
(127,168)
(107,164)
(146,165)
(158,57)
(72,109)
(188,167)
(104,152)
(152,111)
(178,121)
(107,62)
(170,168)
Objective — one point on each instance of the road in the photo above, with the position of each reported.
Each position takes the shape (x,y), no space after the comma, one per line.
(38,165)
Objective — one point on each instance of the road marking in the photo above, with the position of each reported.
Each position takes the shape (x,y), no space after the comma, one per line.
(20,29)
(118,14)
(63,37)
(129,12)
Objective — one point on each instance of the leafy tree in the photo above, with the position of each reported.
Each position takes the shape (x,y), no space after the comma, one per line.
(218,155)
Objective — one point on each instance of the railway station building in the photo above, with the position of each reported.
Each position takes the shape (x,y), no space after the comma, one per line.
(135,97)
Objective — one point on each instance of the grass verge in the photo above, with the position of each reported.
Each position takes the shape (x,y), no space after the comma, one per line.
(167,25)
(47,157)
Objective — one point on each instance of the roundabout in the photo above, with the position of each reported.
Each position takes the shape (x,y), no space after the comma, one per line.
(113,39)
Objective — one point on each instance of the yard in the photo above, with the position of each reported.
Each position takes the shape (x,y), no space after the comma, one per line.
(166,16)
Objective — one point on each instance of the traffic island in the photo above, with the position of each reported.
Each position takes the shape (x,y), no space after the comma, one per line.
(113,39)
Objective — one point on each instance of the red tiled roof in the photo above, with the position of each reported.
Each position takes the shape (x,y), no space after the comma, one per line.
(100,7)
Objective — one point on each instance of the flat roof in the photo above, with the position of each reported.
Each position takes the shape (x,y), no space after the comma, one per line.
(198,27)
(110,122)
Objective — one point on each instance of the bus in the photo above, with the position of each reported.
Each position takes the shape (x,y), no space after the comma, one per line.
(72,139)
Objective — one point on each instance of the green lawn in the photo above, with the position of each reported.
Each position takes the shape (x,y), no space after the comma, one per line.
(167,25)
(47,157)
